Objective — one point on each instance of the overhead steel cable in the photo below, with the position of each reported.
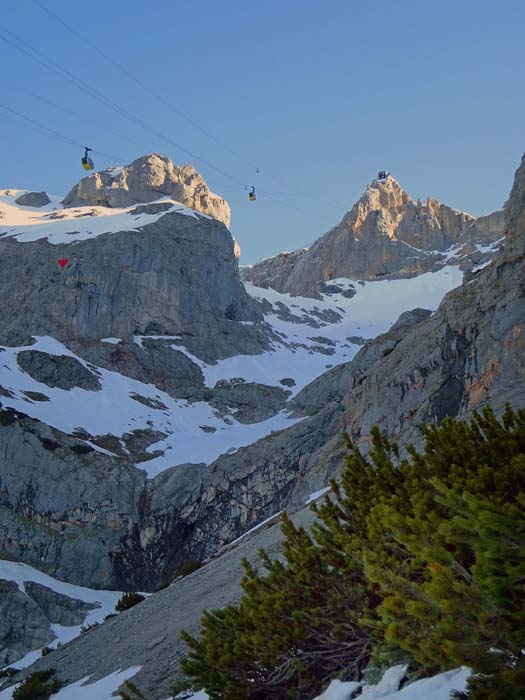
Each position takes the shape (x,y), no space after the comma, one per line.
(85,39)
(78,115)
(86,88)
(58,135)
(77,144)
(138,81)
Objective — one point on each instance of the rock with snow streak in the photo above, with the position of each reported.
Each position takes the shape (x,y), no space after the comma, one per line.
(144,180)
(23,624)
(26,617)
(59,609)
(385,235)
(177,275)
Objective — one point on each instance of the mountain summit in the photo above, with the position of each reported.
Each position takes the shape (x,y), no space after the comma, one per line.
(385,234)
(144,180)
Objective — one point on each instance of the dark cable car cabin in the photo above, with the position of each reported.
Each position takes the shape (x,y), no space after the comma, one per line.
(87,163)
(382,175)
(251,194)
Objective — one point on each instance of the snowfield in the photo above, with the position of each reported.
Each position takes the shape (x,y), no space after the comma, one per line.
(311,336)
(22,573)
(73,224)
(299,354)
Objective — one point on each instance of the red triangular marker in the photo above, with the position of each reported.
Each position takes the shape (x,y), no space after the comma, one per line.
(63,262)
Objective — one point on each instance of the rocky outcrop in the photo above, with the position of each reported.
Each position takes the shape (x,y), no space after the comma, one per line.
(23,624)
(145,180)
(57,370)
(59,609)
(33,199)
(26,617)
(176,276)
(249,402)
(385,234)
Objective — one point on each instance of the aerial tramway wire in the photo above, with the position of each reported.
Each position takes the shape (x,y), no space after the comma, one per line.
(58,135)
(67,75)
(85,39)
(138,81)
(85,87)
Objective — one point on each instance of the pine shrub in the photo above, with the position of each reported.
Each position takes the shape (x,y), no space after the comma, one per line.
(418,559)
(128,600)
(40,685)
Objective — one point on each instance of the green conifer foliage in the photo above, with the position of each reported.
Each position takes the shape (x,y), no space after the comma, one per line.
(294,628)
(418,558)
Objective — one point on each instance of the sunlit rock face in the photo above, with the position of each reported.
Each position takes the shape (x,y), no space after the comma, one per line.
(385,234)
(145,180)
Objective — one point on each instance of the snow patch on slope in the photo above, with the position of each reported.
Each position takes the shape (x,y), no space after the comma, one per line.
(103,689)
(436,688)
(22,573)
(75,224)
(95,411)
(305,351)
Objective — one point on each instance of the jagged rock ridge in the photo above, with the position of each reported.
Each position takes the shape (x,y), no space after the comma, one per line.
(385,234)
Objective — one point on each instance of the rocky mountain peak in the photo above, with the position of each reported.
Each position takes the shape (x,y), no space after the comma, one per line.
(380,195)
(385,234)
(144,180)
(385,208)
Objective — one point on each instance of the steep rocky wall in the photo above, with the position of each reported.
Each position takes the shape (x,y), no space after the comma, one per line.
(177,275)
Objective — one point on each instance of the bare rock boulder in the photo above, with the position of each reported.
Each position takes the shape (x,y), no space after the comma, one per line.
(33,199)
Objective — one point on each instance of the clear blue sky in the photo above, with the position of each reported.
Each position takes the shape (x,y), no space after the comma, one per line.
(318,95)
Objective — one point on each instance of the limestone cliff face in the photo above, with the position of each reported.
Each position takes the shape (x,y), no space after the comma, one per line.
(91,517)
(385,234)
(145,180)
(469,353)
(176,275)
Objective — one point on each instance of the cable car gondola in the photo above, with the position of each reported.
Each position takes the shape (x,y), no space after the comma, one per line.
(87,163)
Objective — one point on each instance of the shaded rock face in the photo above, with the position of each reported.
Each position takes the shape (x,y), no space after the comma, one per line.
(26,618)
(57,370)
(23,624)
(64,507)
(33,199)
(59,609)
(385,234)
(176,276)
(145,180)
